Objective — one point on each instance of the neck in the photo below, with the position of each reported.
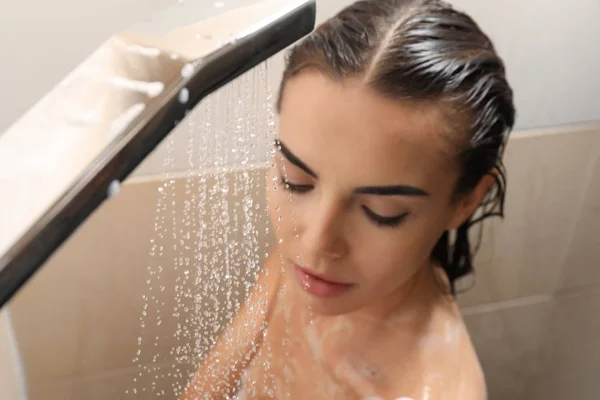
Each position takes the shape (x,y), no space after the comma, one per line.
(411,296)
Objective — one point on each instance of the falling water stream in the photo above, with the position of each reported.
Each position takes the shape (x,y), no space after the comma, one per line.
(210,234)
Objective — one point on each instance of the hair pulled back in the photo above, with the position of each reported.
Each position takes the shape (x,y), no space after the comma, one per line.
(424,50)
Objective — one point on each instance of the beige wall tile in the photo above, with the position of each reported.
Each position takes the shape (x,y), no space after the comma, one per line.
(83,312)
(132,383)
(582,264)
(507,342)
(79,310)
(523,254)
(571,350)
(51,390)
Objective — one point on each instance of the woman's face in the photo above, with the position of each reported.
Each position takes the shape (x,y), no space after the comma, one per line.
(360,191)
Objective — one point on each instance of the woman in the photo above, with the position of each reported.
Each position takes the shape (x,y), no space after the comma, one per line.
(393,119)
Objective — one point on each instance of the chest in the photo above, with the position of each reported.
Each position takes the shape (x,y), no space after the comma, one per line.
(300,359)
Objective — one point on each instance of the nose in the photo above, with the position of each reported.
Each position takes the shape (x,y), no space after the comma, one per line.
(323,234)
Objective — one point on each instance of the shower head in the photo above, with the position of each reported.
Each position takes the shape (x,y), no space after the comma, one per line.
(61,160)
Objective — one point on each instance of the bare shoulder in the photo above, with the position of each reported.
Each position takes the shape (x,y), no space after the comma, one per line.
(268,279)
(431,356)
(236,346)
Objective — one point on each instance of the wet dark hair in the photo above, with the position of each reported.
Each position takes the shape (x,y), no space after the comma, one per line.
(426,51)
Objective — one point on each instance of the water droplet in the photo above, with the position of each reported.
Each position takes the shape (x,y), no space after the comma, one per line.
(184,96)
(113,189)
(216,245)
(187,71)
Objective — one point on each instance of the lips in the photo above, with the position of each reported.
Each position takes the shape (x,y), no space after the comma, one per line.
(320,285)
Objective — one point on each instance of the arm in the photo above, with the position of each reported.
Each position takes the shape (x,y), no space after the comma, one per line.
(221,370)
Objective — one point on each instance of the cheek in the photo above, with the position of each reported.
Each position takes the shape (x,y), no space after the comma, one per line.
(390,260)
(393,256)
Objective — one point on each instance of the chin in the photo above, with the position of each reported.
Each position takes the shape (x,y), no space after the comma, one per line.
(327,306)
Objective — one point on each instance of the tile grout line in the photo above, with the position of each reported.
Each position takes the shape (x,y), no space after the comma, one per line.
(506,304)
(103,374)
(567,293)
(183,174)
(563,129)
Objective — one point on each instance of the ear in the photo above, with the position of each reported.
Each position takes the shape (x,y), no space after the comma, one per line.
(467,205)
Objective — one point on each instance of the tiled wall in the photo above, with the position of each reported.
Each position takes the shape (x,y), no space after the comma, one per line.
(125,275)
(532,314)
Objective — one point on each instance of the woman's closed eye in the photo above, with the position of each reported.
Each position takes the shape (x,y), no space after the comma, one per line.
(295,188)
(385,221)
(374,217)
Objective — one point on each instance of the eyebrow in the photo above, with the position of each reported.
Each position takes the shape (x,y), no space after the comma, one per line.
(293,159)
(395,190)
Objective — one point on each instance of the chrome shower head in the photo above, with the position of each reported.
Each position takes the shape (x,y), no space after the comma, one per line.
(97,125)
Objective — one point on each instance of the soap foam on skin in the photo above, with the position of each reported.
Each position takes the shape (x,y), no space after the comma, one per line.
(452,333)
